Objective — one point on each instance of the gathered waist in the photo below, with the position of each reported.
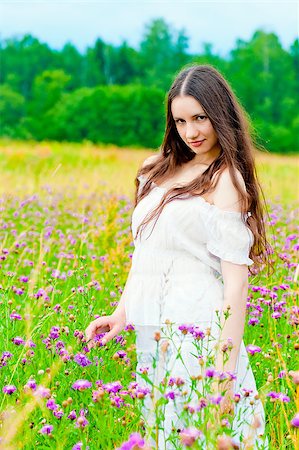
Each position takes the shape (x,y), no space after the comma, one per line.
(154,261)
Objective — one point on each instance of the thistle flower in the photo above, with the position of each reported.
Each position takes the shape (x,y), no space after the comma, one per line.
(82,360)
(295,421)
(81,385)
(15,316)
(135,442)
(189,435)
(252,349)
(9,389)
(72,415)
(31,384)
(43,392)
(18,340)
(295,375)
(278,396)
(46,429)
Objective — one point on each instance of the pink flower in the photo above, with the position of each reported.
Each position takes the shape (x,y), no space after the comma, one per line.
(81,385)
(295,421)
(252,349)
(9,389)
(189,435)
(46,429)
(295,375)
(135,441)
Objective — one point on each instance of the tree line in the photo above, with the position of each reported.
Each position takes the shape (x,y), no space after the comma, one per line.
(116,94)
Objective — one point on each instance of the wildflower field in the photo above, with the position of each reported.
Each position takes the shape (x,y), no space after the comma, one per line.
(65,252)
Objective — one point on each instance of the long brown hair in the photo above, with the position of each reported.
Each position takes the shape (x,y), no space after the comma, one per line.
(229,120)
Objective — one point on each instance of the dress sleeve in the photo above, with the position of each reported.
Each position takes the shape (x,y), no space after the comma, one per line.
(228,237)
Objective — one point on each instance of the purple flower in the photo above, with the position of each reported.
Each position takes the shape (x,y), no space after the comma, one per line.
(43,392)
(72,415)
(295,421)
(23,279)
(185,329)
(58,413)
(215,399)
(112,387)
(81,360)
(4,358)
(253,321)
(30,344)
(189,435)
(54,333)
(278,396)
(252,349)
(51,404)
(117,401)
(31,384)
(210,373)
(18,340)
(276,315)
(18,291)
(81,385)
(282,374)
(197,333)
(9,389)
(135,441)
(170,395)
(46,429)
(79,446)
(81,422)
(15,316)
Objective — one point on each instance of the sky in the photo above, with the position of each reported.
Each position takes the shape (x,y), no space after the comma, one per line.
(81,22)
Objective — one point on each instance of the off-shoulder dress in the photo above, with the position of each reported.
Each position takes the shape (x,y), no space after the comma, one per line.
(175,278)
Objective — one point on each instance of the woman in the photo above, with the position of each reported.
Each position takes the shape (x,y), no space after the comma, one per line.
(197,226)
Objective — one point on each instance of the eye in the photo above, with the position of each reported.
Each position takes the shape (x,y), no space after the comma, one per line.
(179,121)
(201,118)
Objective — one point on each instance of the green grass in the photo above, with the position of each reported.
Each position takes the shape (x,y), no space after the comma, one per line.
(65,224)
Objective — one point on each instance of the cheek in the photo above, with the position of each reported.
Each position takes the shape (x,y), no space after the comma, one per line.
(180,132)
(212,133)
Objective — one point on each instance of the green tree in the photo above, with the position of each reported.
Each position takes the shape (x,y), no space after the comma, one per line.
(71,62)
(125,65)
(162,52)
(12,111)
(48,88)
(22,60)
(97,64)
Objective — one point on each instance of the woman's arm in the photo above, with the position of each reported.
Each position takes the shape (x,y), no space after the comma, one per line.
(235,280)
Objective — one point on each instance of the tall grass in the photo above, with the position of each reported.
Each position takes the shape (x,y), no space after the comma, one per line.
(65,251)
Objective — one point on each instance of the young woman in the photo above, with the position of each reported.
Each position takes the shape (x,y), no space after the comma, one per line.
(197,226)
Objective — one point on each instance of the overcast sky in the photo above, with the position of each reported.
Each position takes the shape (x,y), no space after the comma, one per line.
(81,22)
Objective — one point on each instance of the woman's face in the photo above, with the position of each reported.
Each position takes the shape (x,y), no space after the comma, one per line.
(195,128)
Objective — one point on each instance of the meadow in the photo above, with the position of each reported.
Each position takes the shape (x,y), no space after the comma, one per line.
(65,252)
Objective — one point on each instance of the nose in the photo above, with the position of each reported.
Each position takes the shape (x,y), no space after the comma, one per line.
(191,131)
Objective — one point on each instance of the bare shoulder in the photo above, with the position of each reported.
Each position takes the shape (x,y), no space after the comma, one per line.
(226,195)
(224,179)
(151,159)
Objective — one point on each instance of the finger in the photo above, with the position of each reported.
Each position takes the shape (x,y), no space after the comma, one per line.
(94,325)
(110,335)
(90,345)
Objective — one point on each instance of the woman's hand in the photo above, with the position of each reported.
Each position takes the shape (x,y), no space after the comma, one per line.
(227,402)
(111,325)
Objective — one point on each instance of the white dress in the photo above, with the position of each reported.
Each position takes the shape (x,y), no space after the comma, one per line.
(175,278)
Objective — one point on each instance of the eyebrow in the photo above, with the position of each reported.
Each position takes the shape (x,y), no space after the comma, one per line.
(198,114)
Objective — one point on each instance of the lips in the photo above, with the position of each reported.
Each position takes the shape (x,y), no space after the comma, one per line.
(196,143)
